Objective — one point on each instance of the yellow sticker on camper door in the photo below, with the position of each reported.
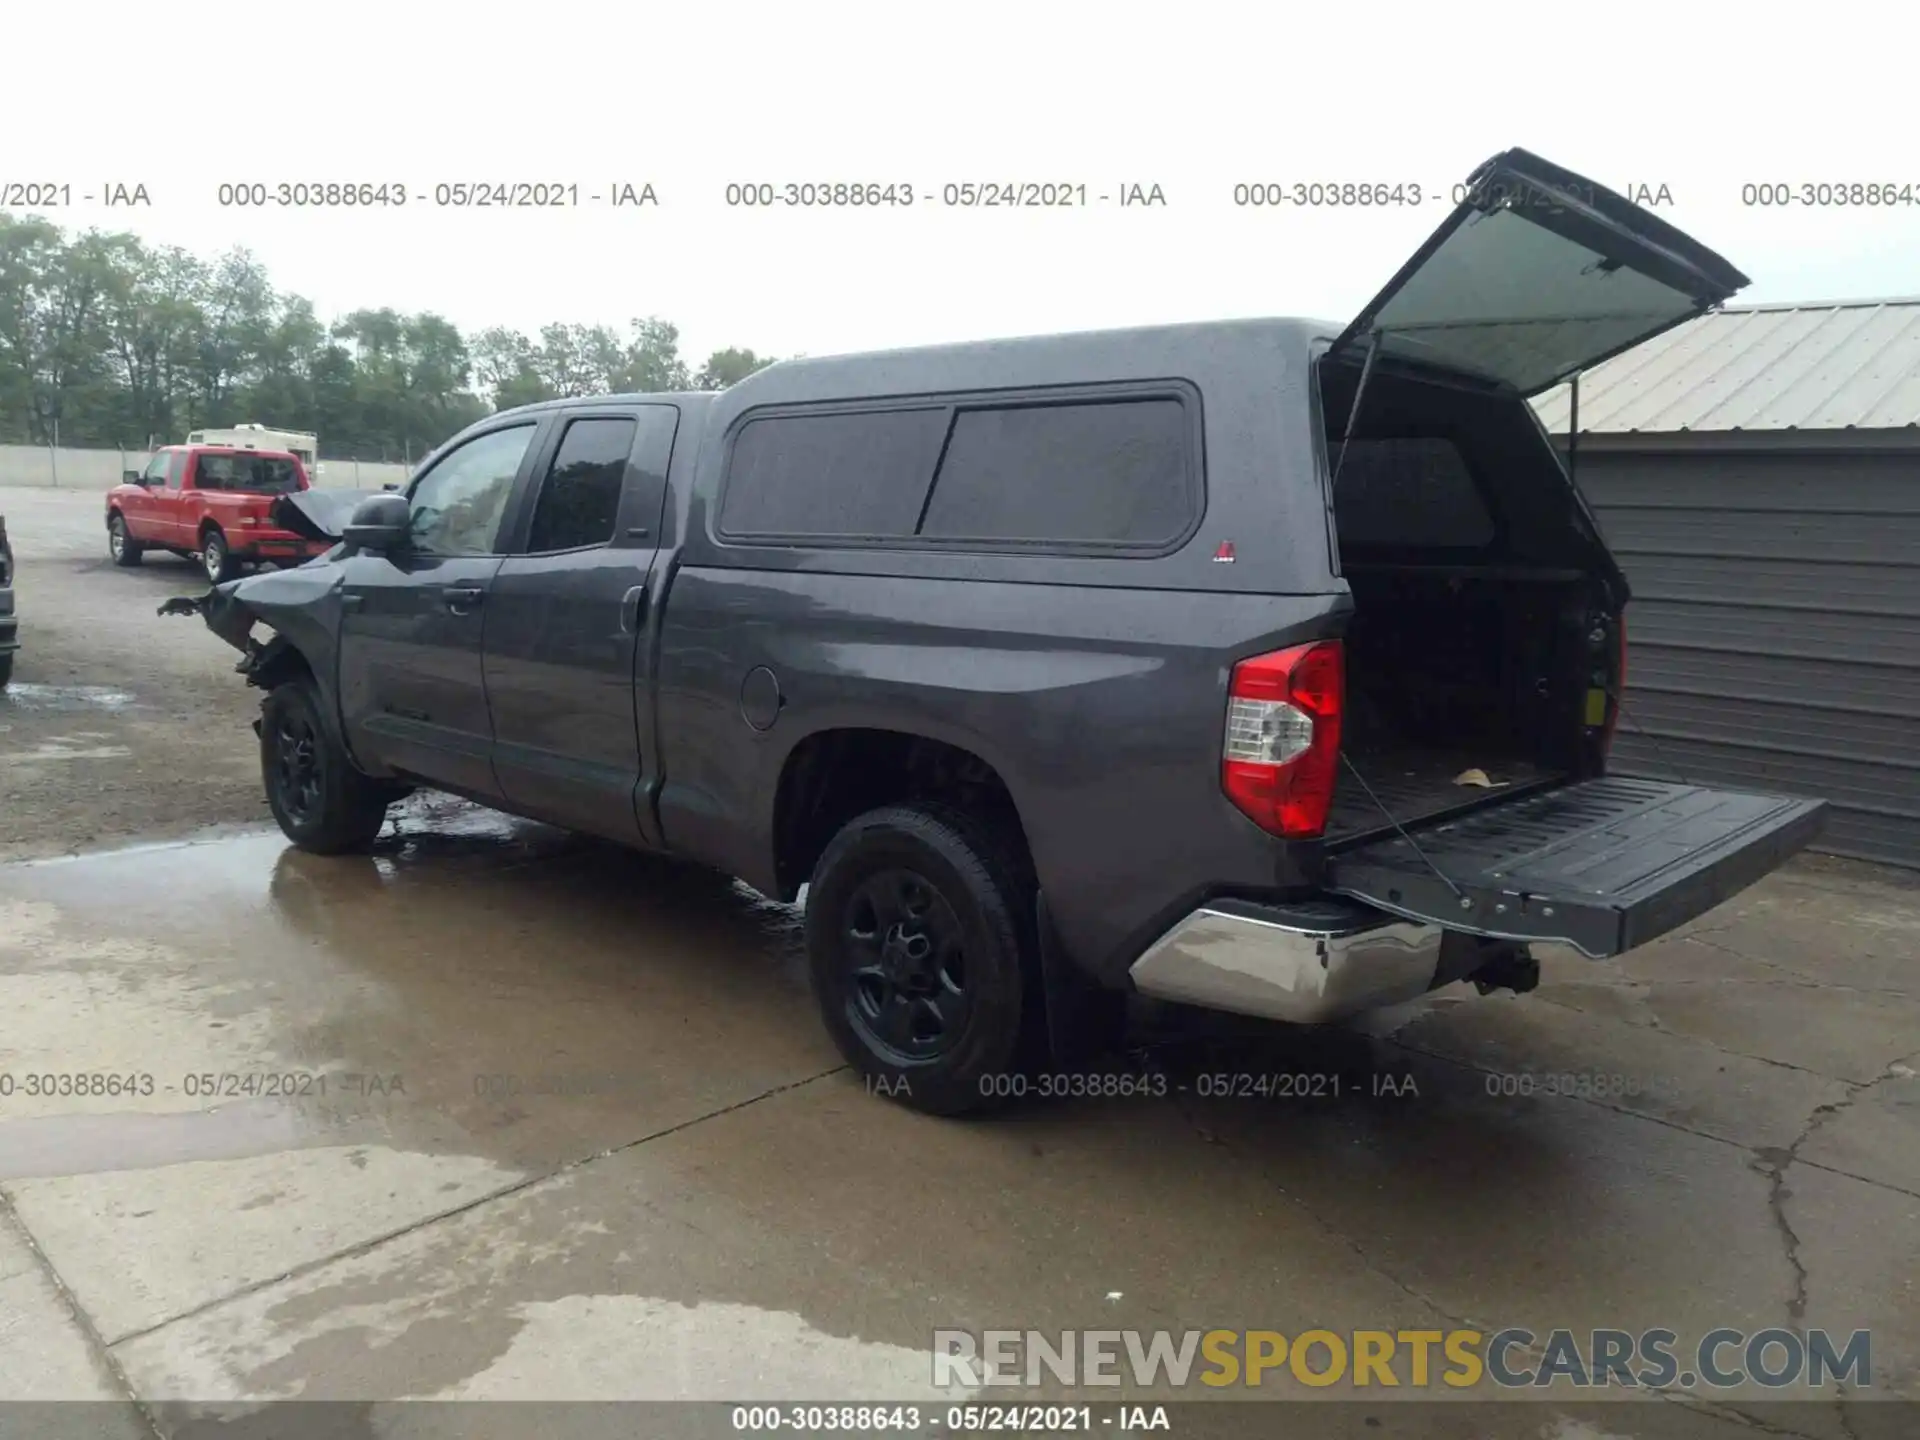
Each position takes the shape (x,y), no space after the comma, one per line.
(1596,707)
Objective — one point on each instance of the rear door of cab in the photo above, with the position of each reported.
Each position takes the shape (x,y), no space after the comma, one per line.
(1538,275)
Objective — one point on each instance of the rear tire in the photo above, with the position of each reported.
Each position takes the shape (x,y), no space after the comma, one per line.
(216,559)
(919,933)
(6,669)
(323,804)
(124,549)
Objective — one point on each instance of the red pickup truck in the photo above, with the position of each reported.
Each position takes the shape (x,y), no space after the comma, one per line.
(209,501)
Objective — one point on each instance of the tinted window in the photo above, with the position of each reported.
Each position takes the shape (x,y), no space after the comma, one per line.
(1114,472)
(1408,492)
(258,474)
(1508,297)
(457,504)
(581,493)
(852,475)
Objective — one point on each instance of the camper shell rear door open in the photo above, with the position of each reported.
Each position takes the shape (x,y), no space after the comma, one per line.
(1537,276)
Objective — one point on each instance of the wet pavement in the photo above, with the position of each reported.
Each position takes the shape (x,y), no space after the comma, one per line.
(498,1113)
(119,723)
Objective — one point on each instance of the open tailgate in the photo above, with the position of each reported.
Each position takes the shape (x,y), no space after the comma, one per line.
(1603,865)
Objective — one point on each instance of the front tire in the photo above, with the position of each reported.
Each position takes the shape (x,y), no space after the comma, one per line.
(216,558)
(124,549)
(323,804)
(918,930)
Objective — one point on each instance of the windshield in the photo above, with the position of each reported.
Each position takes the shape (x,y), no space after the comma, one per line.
(257,474)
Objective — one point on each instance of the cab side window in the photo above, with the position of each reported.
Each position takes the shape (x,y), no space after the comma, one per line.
(177,470)
(458,505)
(580,496)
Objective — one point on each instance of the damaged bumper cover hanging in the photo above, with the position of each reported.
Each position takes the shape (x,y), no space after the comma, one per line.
(229,618)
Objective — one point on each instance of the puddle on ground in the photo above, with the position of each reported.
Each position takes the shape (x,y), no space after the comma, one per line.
(40,1146)
(67,697)
(633,1347)
(81,745)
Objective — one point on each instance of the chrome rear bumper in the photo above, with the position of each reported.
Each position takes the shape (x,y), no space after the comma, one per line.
(1306,963)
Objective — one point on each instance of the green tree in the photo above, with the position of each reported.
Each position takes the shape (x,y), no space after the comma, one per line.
(76,393)
(651,363)
(411,374)
(54,296)
(506,365)
(336,401)
(576,360)
(728,367)
(290,346)
(153,324)
(236,310)
(107,340)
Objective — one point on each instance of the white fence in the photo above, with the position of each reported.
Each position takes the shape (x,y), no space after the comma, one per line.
(66,469)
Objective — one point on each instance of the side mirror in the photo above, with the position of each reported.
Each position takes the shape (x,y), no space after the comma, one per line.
(390,485)
(380,523)
(132,477)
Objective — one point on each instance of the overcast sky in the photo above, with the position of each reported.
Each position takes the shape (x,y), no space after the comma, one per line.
(1194,97)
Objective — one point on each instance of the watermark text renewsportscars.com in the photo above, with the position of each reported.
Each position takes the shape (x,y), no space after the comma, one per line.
(1506,1359)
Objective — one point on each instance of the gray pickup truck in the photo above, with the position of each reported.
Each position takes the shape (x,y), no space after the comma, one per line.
(1267,665)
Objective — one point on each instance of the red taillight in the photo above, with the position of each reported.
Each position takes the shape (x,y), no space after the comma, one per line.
(1282,749)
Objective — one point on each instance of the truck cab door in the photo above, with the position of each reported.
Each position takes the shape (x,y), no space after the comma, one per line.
(173,501)
(412,696)
(565,666)
(140,508)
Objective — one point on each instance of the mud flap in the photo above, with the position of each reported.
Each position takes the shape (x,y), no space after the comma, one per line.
(1604,865)
(1082,1022)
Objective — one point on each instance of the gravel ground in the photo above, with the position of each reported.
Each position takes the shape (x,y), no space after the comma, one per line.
(119,722)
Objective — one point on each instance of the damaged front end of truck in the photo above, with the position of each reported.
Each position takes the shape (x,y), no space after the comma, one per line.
(282,622)
(299,608)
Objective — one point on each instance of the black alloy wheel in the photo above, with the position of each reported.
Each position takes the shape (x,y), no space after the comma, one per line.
(323,803)
(919,927)
(906,953)
(299,762)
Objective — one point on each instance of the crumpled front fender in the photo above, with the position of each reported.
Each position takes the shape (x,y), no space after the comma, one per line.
(231,619)
(301,604)
(302,608)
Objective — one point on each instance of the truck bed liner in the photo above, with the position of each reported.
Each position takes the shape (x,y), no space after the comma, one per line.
(1418,784)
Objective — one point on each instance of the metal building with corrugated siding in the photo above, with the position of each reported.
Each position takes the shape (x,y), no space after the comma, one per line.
(1757,472)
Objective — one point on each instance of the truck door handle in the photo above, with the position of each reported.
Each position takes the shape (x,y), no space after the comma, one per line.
(633,605)
(460,598)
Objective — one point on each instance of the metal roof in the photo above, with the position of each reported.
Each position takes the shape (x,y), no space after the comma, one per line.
(1844,365)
